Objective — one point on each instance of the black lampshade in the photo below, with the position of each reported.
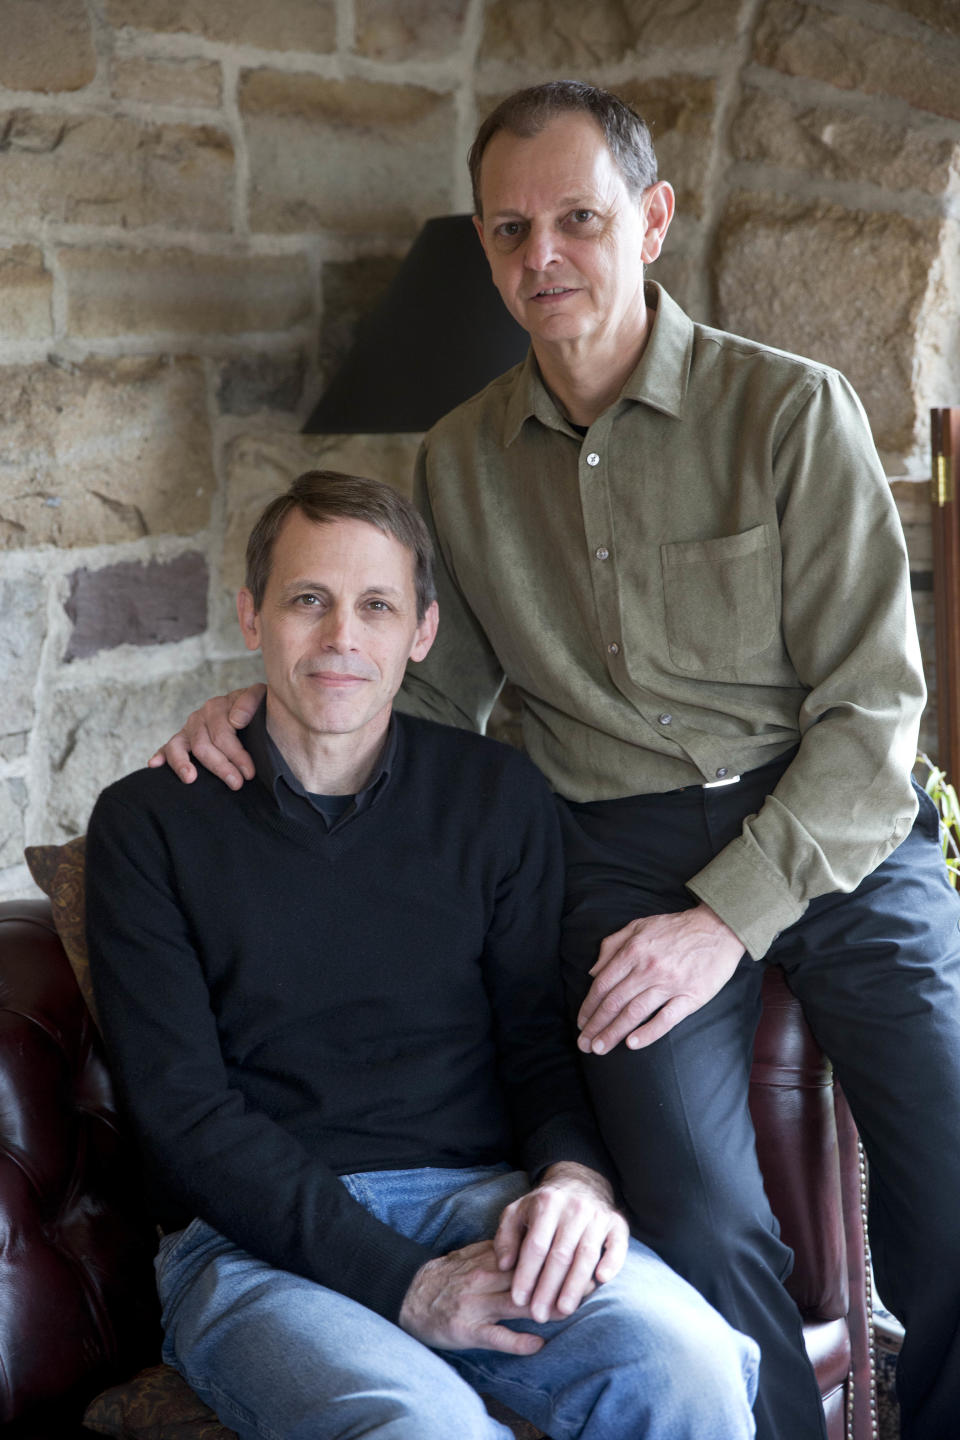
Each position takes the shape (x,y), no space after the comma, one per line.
(440,334)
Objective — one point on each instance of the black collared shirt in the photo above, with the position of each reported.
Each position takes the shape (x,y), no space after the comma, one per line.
(293,799)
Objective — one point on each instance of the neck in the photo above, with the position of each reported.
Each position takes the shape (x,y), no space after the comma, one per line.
(586,376)
(329,764)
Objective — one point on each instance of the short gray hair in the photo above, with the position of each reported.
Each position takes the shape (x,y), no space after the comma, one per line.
(527,112)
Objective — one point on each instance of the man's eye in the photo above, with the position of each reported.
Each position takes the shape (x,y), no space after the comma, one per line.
(508,235)
(308,601)
(380,606)
(582,216)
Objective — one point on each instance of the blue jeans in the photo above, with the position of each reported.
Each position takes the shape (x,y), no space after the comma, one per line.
(281,1357)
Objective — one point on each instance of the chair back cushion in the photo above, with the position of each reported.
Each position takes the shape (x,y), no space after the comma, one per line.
(78,1304)
(792,1103)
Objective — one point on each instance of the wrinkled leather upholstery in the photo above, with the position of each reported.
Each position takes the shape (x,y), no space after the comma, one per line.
(76,1295)
(75,1256)
(815,1178)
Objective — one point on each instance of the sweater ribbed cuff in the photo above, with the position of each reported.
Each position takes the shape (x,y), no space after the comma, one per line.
(564,1137)
(382,1271)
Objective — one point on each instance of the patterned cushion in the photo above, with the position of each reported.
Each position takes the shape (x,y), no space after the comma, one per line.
(58,870)
(154,1405)
(158,1405)
(522,1429)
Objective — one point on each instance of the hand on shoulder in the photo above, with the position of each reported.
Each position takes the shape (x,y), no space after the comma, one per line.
(210,735)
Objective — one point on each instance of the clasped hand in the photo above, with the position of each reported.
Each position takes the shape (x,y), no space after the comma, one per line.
(654,973)
(553,1246)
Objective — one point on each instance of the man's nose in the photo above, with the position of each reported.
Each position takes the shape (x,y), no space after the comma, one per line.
(339,628)
(541,249)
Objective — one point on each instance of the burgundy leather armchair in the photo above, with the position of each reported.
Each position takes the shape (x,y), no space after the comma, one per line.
(77,1311)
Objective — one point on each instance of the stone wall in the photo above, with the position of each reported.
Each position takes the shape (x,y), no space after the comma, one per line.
(198,198)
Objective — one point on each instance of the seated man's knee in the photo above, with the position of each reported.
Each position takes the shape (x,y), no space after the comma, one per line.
(444,1410)
(387,1411)
(438,1414)
(697,1381)
(669,1356)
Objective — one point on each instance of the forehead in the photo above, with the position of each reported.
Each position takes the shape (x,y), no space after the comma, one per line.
(341,550)
(567,159)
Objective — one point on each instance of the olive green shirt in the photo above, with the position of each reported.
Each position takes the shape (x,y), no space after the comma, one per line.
(714,573)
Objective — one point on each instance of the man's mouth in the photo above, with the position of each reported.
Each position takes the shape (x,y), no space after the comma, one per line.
(336,677)
(550,291)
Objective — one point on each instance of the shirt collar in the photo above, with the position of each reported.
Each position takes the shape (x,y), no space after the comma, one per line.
(529,396)
(661,374)
(659,378)
(273,770)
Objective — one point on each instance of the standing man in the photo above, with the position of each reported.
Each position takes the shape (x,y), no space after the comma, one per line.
(335,1015)
(680,547)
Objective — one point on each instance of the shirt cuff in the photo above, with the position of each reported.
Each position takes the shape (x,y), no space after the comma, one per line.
(748,894)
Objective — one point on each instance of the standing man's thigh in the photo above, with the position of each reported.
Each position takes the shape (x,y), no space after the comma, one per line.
(676,1119)
(675,1115)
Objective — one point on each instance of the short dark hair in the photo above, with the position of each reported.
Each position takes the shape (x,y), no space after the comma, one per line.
(327,495)
(526,112)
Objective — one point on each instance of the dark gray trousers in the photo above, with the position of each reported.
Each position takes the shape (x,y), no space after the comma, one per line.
(878,974)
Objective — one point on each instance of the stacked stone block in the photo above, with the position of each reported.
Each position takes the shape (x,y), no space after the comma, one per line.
(200,198)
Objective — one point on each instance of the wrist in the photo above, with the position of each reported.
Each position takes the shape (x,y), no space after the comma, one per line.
(571,1172)
(409,1317)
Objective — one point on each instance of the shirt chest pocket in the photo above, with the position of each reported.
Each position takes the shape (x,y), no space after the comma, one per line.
(719,601)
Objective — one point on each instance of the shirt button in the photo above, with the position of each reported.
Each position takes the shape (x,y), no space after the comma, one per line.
(666,719)
(614,648)
(722,772)
(593,458)
(602,553)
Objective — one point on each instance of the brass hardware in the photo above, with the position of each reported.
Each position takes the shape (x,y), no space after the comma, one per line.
(942,486)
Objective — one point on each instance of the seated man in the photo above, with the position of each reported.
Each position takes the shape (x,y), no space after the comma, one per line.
(332,1001)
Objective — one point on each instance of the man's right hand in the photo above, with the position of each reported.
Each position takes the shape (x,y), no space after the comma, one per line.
(457,1302)
(210,734)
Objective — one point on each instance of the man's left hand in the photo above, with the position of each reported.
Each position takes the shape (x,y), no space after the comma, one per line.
(654,973)
(561,1239)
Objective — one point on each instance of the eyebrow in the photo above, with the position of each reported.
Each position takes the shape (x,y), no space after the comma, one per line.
(569,202)
(293,586)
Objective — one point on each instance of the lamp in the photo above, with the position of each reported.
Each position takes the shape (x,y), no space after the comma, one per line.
(440,334)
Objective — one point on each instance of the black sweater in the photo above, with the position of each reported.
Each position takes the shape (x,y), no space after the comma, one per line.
(283,1004)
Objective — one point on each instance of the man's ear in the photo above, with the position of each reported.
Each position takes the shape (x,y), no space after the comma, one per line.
(249,619)
(657,203)
(426,632)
